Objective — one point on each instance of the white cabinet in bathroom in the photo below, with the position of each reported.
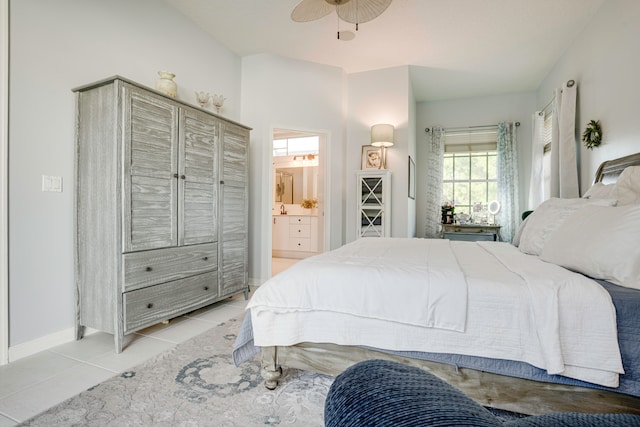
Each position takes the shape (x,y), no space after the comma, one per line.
(294,236)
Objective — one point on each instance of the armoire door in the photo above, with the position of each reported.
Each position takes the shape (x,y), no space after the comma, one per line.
(150,152)
(198,183)
(234,258)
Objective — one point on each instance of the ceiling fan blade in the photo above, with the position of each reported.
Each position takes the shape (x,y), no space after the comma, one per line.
(359,11)
(310,10)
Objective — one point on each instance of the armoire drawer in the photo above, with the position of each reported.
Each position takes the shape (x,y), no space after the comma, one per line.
(147,268)
(148,306)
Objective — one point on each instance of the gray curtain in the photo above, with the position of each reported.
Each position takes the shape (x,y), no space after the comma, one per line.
(435,153)
(507,163)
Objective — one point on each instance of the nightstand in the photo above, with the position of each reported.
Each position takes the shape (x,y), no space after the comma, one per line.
(470,232)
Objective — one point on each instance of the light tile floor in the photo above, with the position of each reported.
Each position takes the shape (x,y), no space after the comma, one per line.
(33,384)
(281,264)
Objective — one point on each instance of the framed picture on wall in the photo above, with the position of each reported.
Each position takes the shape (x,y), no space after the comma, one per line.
(412,179)
(371,157)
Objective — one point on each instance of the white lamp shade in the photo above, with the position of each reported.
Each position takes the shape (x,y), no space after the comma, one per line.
(382,135)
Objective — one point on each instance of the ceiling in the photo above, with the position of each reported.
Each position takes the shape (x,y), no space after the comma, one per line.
(454,48)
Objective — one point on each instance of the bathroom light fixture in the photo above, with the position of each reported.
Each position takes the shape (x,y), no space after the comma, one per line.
(305,160)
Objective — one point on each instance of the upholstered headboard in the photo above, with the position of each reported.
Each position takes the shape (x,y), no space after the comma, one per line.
(609,171)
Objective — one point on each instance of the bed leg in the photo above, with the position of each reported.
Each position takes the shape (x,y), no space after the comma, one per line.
(271,372)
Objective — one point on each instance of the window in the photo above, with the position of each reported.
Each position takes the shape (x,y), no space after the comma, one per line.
(296,146)
(470,180)
(469,177)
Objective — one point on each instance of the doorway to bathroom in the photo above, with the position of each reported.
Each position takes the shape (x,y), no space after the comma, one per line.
(298,196)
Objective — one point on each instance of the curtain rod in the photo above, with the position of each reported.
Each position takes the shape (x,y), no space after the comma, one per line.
(544,110)
(570,83)
(469,128)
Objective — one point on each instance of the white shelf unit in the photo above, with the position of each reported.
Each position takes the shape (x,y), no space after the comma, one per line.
(294,236)
(374,203)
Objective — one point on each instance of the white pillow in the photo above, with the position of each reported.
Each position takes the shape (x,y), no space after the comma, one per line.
(600,191)
(547,217)
(601,242)
(627,188)
(516,238)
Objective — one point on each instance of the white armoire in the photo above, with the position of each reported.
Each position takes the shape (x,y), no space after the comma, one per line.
(161,207)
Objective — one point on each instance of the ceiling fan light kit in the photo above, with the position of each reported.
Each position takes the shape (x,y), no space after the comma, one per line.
(345,36)
(351,11)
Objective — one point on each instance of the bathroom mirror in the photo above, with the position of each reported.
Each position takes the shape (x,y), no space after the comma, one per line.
(283,190)
(293,184)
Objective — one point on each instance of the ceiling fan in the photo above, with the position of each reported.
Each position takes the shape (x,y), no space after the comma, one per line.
(351,11)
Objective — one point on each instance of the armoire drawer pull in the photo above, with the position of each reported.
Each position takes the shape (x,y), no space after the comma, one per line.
(183,177)
(149,269)
(206,288)
(150,305)
(175,175)
(205,258)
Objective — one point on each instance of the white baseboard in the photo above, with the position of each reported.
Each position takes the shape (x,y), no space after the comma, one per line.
(254,283)
(46,342)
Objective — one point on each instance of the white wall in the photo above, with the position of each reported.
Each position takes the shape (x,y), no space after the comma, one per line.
(605,63)
(479,111)
(380,96)
(4,187)
(290,94)
(56,46)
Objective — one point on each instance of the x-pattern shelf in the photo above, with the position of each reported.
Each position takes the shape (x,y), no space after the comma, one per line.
(372,211)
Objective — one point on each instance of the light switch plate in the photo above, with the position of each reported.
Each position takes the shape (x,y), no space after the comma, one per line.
(52,183)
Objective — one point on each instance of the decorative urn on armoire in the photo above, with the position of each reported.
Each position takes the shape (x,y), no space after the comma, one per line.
(166,85)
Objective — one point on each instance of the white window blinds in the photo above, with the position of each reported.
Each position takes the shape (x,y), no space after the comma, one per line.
(469,140)
(548,118)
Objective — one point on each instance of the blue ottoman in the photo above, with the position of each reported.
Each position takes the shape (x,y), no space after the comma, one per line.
(382,393)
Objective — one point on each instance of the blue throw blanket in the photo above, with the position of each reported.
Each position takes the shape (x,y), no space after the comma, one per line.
(380,393)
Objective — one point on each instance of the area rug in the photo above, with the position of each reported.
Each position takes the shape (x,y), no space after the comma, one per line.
(196,384)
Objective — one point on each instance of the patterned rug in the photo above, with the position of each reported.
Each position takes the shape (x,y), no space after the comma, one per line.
(196,384)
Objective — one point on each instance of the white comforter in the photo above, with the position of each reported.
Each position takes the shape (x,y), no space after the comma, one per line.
(382,293)
(370,280)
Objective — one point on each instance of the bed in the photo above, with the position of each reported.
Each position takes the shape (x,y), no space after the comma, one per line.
(503,341)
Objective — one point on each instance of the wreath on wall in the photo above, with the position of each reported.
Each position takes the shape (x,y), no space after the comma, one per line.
(592,136)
